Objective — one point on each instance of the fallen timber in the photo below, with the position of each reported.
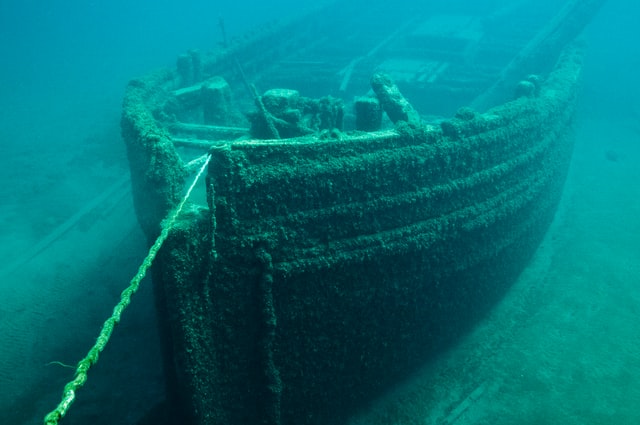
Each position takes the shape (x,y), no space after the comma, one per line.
(331,252)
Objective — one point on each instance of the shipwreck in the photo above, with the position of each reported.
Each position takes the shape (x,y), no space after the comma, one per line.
(375,181)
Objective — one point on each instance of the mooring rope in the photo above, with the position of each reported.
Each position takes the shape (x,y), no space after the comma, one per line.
(83,366)
(272,399)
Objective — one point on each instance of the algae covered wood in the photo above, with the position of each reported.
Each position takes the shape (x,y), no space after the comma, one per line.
(323,262)
(323,271)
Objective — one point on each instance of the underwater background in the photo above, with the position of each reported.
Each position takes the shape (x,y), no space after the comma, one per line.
(69,241)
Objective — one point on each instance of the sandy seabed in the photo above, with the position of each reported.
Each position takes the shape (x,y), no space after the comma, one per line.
(70,244)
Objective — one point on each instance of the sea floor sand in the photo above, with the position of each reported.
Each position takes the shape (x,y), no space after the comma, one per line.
(69,246)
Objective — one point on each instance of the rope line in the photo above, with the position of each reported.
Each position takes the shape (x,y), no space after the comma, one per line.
(83,366)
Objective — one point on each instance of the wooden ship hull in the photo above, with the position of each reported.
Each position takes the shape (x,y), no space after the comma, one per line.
(330,253)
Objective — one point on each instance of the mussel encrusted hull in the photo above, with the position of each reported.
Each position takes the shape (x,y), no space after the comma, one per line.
(324,271)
